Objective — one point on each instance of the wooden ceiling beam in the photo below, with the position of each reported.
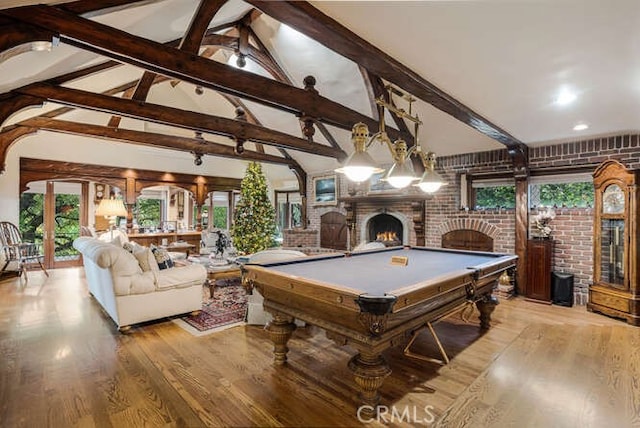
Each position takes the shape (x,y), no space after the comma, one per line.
(104,173)
(159,58)
(82,7)
(310,21)
(176,117)
(150,139)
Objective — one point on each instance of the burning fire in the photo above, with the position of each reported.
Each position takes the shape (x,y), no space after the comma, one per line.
(387,236)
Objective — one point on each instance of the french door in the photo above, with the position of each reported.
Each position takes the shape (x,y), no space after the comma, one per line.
(51,214)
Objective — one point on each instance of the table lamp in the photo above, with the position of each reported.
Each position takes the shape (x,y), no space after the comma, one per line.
(110,209)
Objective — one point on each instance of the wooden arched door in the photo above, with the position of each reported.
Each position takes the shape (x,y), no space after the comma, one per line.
(333,231)
(467,239)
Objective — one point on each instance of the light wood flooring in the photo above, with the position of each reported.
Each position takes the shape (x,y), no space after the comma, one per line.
(62,363)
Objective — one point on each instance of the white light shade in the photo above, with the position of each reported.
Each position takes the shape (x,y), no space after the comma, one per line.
(359,166)
(429,187)
(400,182)
(400,175)
(111,208)
(358,174)
(430,182)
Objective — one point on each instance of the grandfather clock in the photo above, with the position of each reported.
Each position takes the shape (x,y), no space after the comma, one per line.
(615,290)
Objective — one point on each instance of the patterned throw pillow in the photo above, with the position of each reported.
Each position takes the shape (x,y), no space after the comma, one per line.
(162,257)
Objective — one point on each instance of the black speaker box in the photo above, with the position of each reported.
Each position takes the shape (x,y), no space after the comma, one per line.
(562,288)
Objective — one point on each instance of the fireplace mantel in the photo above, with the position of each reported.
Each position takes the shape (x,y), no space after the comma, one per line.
(382,199)
(417,210)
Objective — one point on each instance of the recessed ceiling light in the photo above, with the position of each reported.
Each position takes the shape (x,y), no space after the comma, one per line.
(581,127)
(565,97)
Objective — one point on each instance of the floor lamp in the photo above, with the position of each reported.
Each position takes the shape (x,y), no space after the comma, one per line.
(110,209)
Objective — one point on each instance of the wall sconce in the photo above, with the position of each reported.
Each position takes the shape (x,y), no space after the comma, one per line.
(360,166)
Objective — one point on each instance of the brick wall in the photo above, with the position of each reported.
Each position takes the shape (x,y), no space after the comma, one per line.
(300,238)
(572,227)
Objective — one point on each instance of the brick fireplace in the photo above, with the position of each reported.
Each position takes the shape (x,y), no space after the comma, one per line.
(390,228)
(373,215)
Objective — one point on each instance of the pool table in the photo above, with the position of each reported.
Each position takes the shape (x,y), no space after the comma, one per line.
(373,300)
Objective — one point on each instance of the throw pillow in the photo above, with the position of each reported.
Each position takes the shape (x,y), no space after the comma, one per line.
(146,259)
(162,257)
(130,247)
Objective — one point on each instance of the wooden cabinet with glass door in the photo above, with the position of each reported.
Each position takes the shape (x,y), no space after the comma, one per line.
(615,290)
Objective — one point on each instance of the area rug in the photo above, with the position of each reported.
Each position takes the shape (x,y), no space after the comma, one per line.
(227,308)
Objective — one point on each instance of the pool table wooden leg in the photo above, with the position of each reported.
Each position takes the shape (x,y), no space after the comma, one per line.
(280,329)
(370,371)
(486,305)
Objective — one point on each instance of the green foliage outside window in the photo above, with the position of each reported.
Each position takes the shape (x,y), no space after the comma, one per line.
(148,212)
(255,221)
(495,197)
(32,217)
(296,215)
(220,217)
(579,194)
(67,221)
(563,195)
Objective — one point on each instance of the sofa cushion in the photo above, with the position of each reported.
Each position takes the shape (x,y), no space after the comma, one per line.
(108,256)
(181,277)
(134,284)
(132,246)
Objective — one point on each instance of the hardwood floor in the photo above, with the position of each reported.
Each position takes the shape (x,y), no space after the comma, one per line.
(64,364)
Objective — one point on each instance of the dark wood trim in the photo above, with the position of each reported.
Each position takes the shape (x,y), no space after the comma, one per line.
(13,103)
(151,139)
(190,43)
(159,58)
(105,6)
(376,199)
(192,38)
(84,204)
(8,137)
(180,118)
(521,231)
(310,21)
(129,181)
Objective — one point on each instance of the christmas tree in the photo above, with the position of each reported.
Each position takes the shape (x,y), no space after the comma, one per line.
(254,222)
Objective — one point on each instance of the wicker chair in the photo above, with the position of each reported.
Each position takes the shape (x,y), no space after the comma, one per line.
(18,254)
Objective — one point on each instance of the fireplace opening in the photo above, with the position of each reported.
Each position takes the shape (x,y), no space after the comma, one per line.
(385,228)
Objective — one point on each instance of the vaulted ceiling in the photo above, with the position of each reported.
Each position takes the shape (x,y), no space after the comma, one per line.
(486,74)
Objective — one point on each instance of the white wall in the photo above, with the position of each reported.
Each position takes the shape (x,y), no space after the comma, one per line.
(54,146)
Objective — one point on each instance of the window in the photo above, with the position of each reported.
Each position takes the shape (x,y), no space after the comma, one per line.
(494,193)
(32,217)
(215,213)
(288,211)
(220,217)
(148,212)
(568,190)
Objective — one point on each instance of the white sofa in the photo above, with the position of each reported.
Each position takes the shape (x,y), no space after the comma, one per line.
(130,295)
(255,312)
